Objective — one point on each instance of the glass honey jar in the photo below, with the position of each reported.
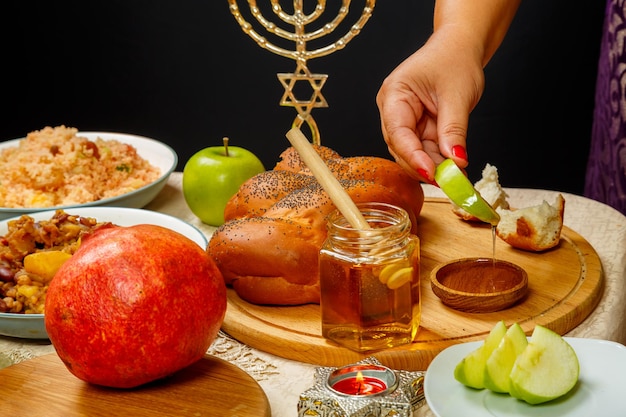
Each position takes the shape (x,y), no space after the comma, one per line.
(370,280)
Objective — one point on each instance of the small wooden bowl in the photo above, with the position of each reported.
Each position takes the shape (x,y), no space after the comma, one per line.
(479,285)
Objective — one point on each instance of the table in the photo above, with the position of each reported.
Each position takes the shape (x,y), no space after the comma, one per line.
(284,380)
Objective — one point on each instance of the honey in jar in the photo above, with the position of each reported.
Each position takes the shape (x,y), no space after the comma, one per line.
(369,280)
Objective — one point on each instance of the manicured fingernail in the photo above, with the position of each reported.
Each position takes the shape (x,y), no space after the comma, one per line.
(459,152)
(424,175)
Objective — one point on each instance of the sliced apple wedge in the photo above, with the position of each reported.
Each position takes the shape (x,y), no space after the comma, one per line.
(461,192)
(499,364)
(547,369)
(471,370)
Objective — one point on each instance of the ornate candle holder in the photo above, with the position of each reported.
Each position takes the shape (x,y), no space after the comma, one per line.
(299,20)
(338,392)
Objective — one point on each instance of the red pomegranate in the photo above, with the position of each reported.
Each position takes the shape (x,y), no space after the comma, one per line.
(133,305)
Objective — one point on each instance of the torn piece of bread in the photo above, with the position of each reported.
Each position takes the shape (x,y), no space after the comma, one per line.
(534,228)
(489,188)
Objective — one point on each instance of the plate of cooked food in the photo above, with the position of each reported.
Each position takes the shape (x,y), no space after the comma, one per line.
(61,167)
(23,284)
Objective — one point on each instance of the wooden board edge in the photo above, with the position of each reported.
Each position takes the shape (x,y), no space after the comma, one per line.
(302,347)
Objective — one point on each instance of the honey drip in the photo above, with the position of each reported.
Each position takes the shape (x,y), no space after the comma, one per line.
(493,244)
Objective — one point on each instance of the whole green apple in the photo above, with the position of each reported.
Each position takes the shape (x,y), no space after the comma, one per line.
(213,175)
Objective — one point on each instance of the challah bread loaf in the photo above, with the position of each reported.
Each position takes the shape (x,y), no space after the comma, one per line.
(535,228)
(257,194)
(268,250)
(272,259)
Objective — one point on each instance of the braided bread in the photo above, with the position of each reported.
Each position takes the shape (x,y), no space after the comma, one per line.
(267,249)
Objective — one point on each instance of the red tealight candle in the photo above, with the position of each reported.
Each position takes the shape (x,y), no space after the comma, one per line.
(360,385)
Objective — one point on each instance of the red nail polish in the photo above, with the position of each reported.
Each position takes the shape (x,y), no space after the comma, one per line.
(459,152)
(424,174)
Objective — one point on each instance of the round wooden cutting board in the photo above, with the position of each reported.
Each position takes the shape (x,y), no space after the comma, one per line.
(210,387)
(565,285)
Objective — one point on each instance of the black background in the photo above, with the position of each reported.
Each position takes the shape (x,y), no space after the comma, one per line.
(186,74)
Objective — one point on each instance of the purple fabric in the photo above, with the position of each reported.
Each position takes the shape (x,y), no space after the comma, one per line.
(606,169)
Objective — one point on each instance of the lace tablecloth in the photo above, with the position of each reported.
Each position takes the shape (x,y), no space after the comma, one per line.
(283,380)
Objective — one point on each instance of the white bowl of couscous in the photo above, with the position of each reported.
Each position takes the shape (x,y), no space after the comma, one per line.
(62,167)
(31,325)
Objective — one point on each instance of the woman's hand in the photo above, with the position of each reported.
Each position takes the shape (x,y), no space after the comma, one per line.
(425,104)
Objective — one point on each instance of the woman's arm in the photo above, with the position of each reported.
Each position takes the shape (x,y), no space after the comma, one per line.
(425,102)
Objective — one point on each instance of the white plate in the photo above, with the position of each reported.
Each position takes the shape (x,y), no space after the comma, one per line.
(31,326)
(157,153)
(599,392)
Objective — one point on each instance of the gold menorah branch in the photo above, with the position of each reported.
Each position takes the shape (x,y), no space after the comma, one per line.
(299,20)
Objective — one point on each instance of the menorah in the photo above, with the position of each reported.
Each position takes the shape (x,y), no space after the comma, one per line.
(299,20)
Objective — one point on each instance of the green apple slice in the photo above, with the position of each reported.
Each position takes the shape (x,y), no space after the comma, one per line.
(547,369)
(471,370)
(499,364)
(460,190)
